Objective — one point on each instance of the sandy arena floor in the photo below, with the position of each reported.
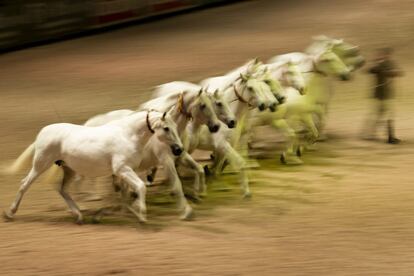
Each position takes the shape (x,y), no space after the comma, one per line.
(347,211)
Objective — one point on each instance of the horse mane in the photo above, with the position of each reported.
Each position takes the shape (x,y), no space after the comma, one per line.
(320,43)
(244,69)
(276,66)
(167,102)
(228,79)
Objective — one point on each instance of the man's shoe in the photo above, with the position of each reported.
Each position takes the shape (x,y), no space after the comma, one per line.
(393,140)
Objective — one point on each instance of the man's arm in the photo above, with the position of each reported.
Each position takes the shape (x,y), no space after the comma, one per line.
(392,70)
(374,69)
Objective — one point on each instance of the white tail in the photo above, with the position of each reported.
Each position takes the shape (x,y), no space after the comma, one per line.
(24,161)
(53,174)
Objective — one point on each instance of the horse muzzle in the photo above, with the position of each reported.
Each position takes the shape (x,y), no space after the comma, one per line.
(231,123)
(301,90)
(273,107)
(360,62)
(176,149)
(345,76)
(262,107)
(213,128)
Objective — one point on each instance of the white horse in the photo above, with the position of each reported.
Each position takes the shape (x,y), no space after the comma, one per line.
(315,67)
(155,153)
(319,90)
(197,107)
(220,105)
(280,77)
(242,73)
(251,95)
(347,52)
(112,149)
(246,92)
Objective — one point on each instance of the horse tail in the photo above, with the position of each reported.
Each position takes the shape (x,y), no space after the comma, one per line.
(52,174)
(22,162)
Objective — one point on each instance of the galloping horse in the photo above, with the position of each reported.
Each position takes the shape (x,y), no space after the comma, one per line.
(115,148)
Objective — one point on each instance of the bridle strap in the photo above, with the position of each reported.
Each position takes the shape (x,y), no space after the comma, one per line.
(239,97)
(149,124)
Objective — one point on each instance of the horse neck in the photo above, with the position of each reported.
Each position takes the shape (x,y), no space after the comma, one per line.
(236,106)
(316,87)
(316,47)
(180,120)
(235,74)
(136,125)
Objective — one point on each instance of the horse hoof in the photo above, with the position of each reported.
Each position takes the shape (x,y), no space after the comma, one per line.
(79,221)
(8,216)
(142,219)
(207,171)
(283,158)
(322,138)
(202,194)
(150,178)
(247,195)
(188,214)
(311,147)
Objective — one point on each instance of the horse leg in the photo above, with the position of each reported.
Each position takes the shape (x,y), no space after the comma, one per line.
(219,161)
(113,203)
(68,176)
(40,165)
(307,119)
(320,110)
(199,176)
(237,162)
(177,188)
(130,177)
(289,155)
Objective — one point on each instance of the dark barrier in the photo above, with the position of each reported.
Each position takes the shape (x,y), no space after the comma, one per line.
(48,19)
(27,21)
(12,22)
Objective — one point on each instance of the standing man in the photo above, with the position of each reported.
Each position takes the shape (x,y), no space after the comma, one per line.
(384,71)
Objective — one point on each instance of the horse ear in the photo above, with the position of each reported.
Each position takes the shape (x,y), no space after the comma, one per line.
(320,37)
(243,77)
(163,116)
(216,93)
(256,60)
(199,92)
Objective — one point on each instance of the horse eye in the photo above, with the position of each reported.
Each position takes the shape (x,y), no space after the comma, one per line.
(166,129)
(219,104)
(267,81)
(203,106)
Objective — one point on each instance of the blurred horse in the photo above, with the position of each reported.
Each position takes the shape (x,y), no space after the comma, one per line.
(115,148)
(197,108)
(315,67)
(243,93)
